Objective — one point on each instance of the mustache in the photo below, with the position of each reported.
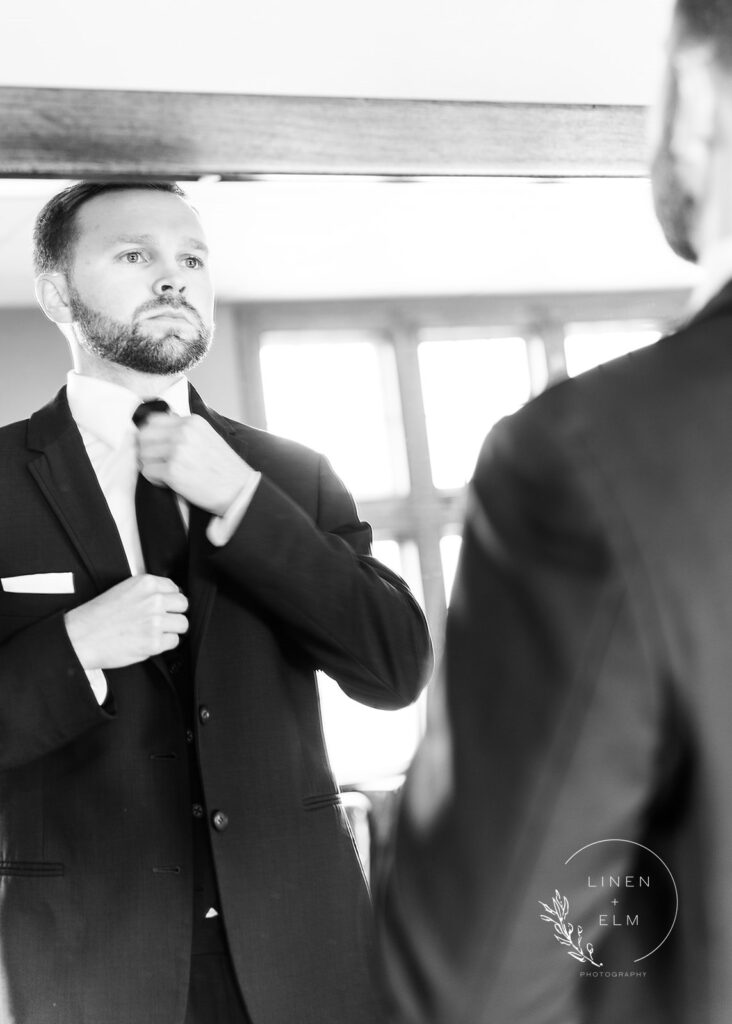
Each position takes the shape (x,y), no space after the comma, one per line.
(166,301)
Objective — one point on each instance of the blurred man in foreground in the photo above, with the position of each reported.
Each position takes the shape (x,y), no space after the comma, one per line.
(565,848)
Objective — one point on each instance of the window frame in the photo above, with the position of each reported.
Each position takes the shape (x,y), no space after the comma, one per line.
(426,513)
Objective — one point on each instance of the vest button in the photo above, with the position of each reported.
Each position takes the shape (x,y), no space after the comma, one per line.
(197,811)
(189,735)
(204,714)
(220,821)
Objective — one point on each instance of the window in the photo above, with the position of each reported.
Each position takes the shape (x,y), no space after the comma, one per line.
(399,397)
(468,384)
(336,393)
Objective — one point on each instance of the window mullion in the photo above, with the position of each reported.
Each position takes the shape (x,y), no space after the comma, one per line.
(423,499)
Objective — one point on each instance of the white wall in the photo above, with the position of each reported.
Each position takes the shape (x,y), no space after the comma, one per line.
(563,51)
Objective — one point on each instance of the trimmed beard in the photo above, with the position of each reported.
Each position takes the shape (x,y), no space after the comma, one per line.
(131,346)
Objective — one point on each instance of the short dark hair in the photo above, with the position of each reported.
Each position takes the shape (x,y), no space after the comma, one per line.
(55,229)
(708,21)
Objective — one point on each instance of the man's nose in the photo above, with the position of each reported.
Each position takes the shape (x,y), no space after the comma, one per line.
(171,280)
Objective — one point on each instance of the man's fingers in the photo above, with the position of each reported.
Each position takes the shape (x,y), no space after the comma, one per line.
(167,431)
(155,448)
(175,624)
(176,602)
(161,584)
(158,423)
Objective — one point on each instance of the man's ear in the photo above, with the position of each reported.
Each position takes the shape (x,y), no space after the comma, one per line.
(695,125)
(52,293)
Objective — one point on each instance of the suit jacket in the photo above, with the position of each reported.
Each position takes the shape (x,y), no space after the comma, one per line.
(95,808)
(586,714)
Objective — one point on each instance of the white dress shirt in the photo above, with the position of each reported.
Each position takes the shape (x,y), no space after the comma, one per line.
(103,413)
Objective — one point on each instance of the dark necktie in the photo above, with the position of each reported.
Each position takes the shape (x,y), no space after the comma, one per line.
(162,533)
(165,549)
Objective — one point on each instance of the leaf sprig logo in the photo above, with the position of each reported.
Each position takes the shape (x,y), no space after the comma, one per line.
(625,898)
(563,930)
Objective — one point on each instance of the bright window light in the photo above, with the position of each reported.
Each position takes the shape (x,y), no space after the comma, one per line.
(588,345)
(450,546)
(365,744)
(468,385)
(337,392)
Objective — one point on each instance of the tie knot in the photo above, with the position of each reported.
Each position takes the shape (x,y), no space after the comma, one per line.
(141,413)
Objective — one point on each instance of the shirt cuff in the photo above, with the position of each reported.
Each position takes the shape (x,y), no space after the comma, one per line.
(98,683)
(221,529)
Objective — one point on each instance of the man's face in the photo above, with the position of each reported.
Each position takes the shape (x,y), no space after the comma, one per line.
(140,288)
(675,207)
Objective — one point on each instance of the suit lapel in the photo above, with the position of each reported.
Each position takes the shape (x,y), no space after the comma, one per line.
(65,476)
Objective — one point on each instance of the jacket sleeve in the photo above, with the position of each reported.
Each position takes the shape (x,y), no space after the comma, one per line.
(542,739)
(355,618)
(46,700)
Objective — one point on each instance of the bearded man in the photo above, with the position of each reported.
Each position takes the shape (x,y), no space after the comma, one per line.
(173,848)
(565,845)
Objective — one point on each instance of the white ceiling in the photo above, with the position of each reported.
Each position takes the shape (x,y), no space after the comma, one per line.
(299,238)
(572,51)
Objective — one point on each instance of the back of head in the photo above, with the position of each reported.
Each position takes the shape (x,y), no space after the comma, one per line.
(692,153)
(55,227)
(708,22)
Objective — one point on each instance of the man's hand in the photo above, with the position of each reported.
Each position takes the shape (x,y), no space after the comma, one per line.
(142,616)
(186,454)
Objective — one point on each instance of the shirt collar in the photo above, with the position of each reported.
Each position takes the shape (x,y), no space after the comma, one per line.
(105,409)
(716,271)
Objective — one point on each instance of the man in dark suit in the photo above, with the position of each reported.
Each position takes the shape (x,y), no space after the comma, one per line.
(172,843)
(565,847)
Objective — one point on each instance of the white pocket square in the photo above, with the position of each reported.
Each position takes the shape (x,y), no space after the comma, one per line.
(39,583)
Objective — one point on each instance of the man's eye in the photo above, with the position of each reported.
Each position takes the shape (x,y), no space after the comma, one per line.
(192,262)
(132,257)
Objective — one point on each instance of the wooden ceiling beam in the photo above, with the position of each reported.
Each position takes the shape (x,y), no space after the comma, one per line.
(76,133)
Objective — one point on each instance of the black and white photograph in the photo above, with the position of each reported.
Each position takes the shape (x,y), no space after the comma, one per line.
(366,512)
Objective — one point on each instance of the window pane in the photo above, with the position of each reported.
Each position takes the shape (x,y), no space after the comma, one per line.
(450,551)
(337,392)
(468,384)
(588,345)
(365,744)
(388,552)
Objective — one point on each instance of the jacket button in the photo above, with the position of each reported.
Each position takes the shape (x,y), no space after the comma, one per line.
(220,821)
(197,811)
(204,714)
